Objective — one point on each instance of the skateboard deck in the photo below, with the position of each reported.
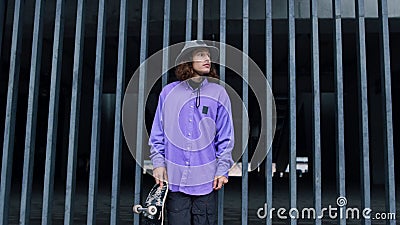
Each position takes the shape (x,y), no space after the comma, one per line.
(153,209)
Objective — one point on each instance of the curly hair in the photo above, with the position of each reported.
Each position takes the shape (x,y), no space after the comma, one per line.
(185,71)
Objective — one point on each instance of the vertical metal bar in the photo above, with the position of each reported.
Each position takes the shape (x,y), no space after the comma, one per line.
(96,116)
(222,52)
(31,116)
(316,110)
(363,108)
(338,71)
(222,39)
(167,22)
(116,177)
(268,70)
(142,84)
(75,111)
(387,109)
(200,19)
(53,114)
(189,5)
(292,108)
(221,206)
(11,109)
(3,6)
(245,157)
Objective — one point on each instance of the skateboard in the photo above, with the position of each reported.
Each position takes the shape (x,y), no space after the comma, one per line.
(153,210)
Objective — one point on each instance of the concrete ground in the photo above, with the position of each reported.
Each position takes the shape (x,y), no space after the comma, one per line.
(232,203)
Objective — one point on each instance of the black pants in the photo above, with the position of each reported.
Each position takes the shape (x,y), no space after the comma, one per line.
(183,209)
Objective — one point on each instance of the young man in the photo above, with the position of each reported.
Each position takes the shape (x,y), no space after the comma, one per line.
(192,137)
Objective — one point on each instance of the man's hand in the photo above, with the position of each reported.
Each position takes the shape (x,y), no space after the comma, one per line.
(219,182)
(160,175)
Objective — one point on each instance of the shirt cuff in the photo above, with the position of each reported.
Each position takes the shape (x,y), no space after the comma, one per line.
(158,161)
(222,171)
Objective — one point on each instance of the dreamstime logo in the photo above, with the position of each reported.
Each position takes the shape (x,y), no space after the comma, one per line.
(153,68)
(341,201)
(332,212)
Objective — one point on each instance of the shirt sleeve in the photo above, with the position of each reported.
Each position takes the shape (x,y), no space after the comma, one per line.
(156,140)
(224,138)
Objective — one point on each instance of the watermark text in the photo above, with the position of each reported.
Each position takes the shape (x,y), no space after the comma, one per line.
(333,212)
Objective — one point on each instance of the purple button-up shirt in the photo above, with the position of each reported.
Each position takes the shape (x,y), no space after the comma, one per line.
(194,142)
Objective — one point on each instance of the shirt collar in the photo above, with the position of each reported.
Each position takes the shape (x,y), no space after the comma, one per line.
(203,83)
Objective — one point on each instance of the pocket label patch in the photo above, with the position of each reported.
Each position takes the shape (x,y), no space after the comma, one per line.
(205,110)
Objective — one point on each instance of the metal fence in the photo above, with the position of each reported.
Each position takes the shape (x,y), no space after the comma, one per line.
(10,115)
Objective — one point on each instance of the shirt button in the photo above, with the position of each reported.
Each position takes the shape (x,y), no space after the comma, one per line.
(189,134)
(187,163)
(190,120)
(191,106)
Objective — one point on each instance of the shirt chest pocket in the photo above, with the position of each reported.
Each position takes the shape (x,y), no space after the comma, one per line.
(208,109)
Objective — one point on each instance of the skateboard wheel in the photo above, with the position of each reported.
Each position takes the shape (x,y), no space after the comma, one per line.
(136,209)
(152,210)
